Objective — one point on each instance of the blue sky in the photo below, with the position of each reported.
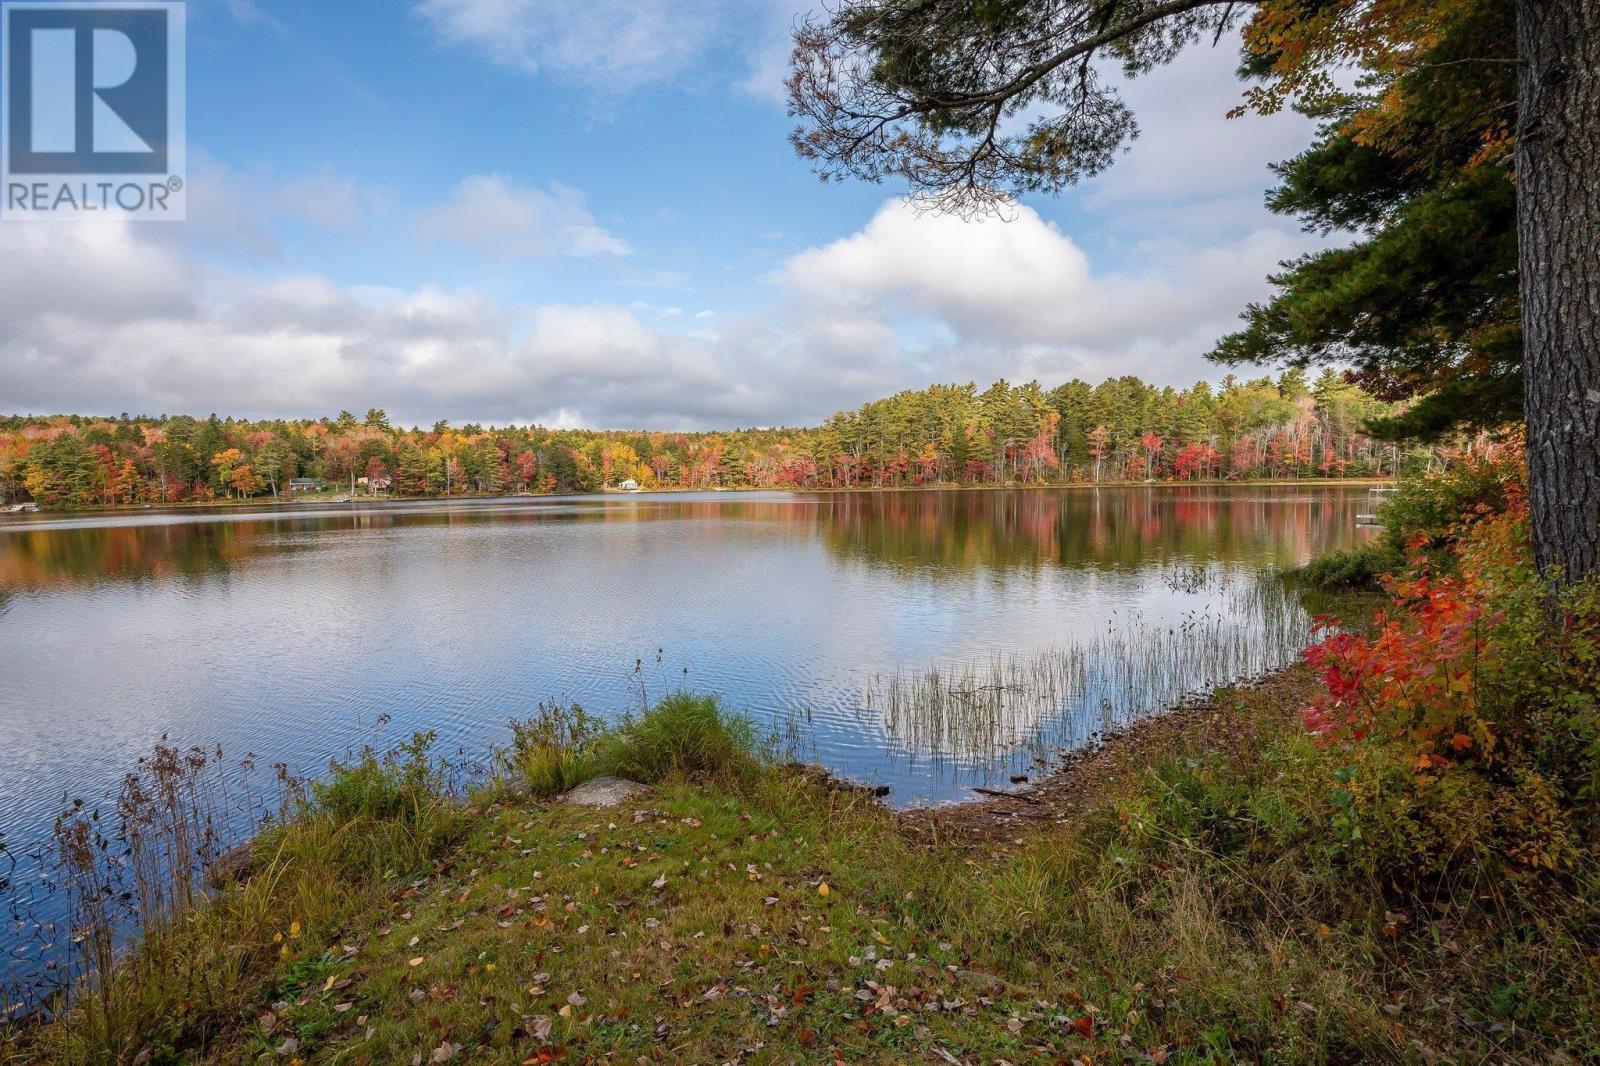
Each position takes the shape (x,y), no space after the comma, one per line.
(588,214)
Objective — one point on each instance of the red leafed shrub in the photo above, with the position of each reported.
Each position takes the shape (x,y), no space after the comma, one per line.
(1469,711)
(1418,675)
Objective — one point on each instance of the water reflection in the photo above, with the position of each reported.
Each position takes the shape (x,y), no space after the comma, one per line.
(951,530)
(1104,528)
(281,630)
(289,633)
(1014,710)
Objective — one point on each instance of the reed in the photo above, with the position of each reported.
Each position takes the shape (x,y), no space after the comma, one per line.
(155,961)
(988,711)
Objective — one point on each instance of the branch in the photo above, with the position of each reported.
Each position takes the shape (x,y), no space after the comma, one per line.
(1030,75)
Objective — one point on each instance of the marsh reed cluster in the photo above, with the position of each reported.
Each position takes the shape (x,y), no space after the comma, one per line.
(1011,706)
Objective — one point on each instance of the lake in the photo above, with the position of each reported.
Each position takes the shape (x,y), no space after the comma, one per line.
(927,641)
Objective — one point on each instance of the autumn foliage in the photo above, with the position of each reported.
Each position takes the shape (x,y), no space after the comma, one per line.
(1120,430)
(1467,708)
(1417,675)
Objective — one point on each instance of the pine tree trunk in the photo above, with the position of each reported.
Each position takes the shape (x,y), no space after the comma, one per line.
(1558,232)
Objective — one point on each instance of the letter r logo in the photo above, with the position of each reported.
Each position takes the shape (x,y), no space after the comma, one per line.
(87,88)
(93,110)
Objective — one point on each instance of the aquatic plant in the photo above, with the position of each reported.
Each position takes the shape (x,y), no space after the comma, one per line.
(986,712)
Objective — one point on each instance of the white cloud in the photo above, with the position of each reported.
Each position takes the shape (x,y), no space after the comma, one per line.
(769,66)
(1192,169)
(237,211)
(1021,282)
(615,46)
(89,276)
(655,279)
(244,12)
(248,12)
(328,201)
(493,215)
(104,319)
(987,275)
(612,44)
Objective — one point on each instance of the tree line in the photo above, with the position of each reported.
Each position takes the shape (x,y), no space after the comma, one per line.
(1121,430)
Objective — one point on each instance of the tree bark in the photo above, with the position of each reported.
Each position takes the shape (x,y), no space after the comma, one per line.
(1558,234)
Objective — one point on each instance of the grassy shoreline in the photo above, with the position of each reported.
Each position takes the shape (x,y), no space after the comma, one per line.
(1163,900)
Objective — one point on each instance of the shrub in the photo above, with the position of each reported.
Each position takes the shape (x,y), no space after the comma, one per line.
(1429,512)
(554,751)
(1363,567)
(1469,713)
(1424,520)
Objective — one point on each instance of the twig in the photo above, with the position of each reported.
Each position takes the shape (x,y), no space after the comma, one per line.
(1000,793)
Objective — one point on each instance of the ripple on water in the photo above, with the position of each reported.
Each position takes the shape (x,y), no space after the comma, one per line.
(292,633)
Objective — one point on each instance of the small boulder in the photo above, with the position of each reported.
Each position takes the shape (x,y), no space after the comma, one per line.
(605,791)
(232,865)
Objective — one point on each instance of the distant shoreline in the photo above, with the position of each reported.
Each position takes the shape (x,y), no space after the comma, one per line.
(1352,482)
(943,487)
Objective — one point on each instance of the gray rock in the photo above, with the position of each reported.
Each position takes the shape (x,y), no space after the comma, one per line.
(232,865)
(605,791)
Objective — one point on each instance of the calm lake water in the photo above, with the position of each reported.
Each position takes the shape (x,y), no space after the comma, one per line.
(926,641)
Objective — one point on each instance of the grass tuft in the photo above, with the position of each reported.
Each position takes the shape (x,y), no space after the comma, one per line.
(684,737)
(554,751)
